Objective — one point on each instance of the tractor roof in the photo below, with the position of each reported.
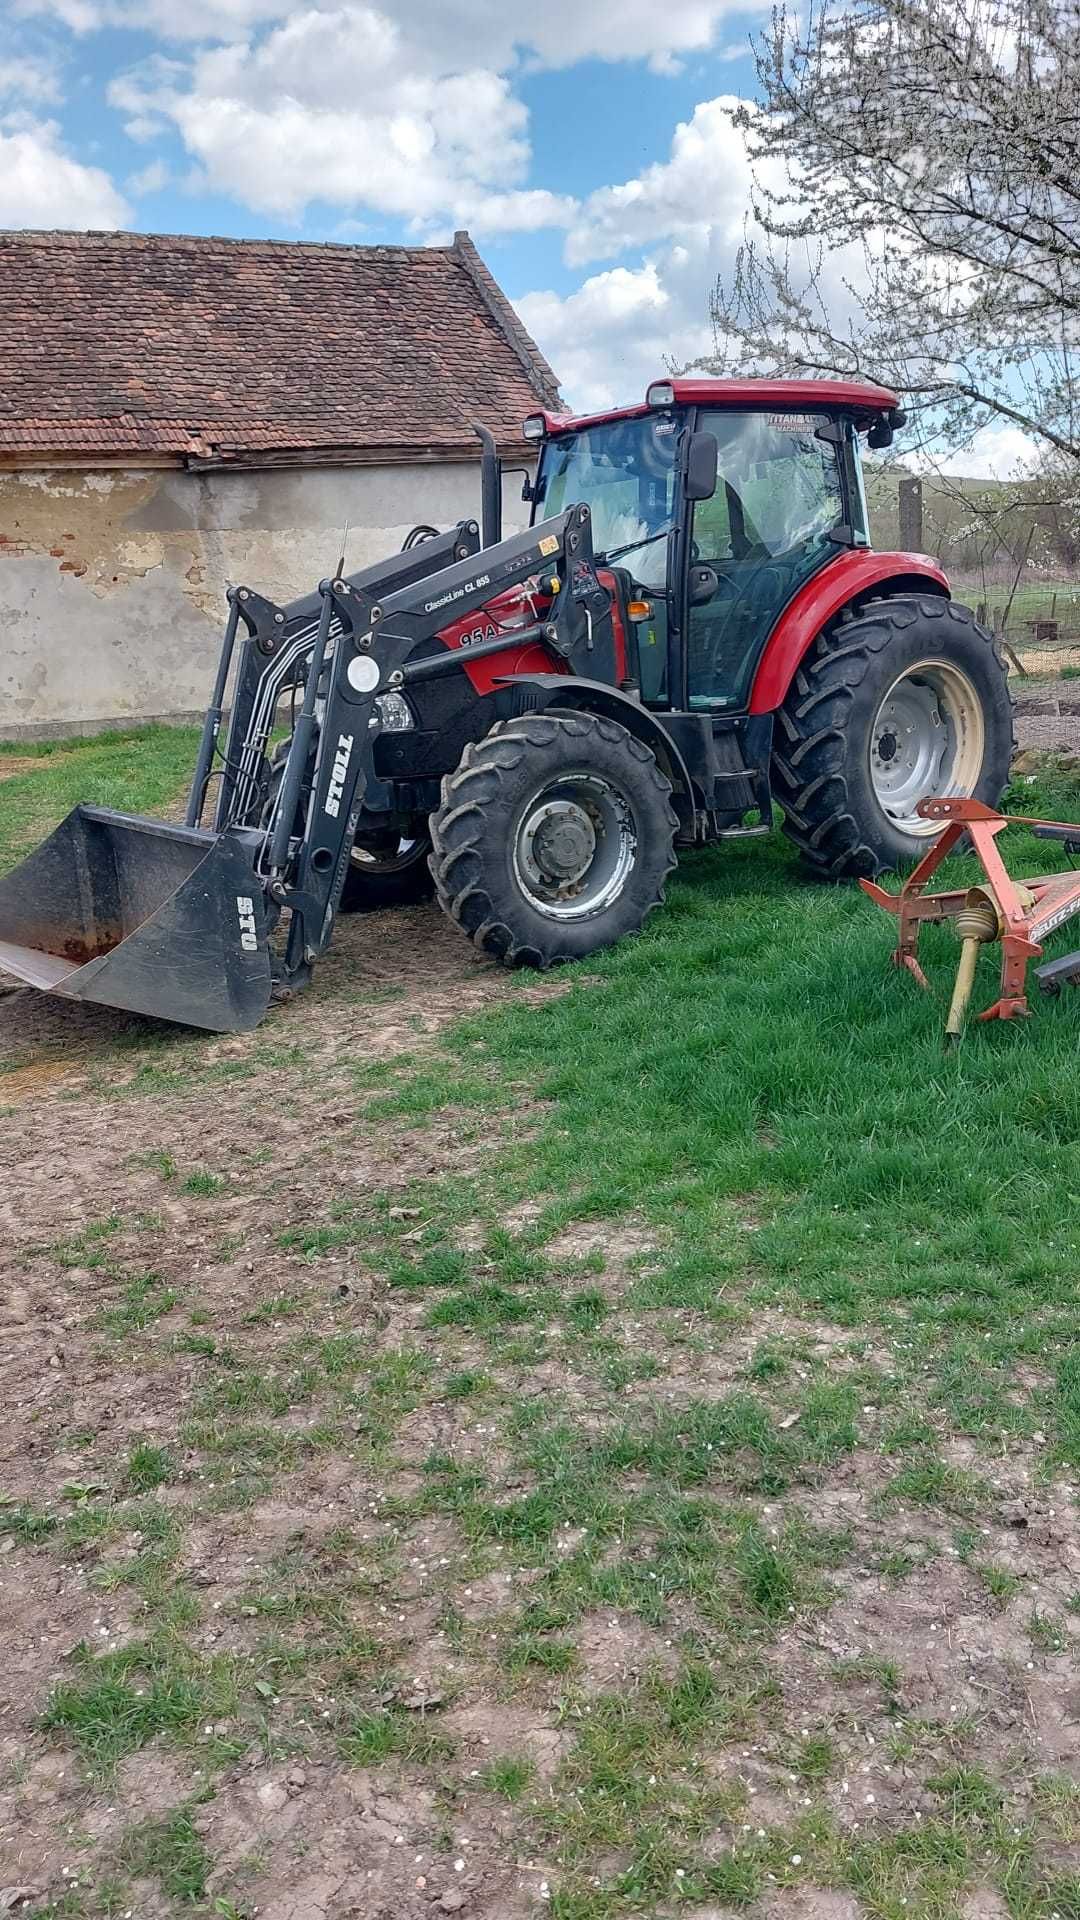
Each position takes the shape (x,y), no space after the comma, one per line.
(860,397)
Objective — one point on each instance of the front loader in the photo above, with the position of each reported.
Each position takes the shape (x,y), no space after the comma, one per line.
(693,626)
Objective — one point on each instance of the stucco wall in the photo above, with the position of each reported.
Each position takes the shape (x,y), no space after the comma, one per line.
(112,583)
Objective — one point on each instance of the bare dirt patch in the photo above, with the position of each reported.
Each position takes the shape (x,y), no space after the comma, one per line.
(314,1593)
(617,1649)
(13,763)
(616,1242)
(308,1842)
(389,981)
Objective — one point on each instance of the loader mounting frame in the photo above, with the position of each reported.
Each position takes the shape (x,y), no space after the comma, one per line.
(360,651)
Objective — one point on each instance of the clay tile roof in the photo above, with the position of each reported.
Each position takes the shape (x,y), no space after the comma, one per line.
(234,350)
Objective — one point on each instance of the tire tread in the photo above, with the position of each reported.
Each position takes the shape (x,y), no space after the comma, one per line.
(457,825)
(810,777)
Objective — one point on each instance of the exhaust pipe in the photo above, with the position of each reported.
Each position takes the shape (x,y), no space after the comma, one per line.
(490,486)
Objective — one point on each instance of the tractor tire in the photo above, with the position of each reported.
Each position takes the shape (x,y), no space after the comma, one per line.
(384,870)
(906,699)
(388,876)
(554,838)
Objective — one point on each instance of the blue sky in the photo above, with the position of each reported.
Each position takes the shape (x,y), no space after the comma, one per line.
(554,139)
(588,146)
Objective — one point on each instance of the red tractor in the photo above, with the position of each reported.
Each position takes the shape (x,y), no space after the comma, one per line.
(693,627)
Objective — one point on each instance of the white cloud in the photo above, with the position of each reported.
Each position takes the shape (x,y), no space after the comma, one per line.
(999,451)
(199,20)
(407,108)
(355,107)
(81,16)
(42,186)
(149,179)
(700,192)
(338,107)
(566,31)
(612,336)
(524,211)
(502,32)
(29,80)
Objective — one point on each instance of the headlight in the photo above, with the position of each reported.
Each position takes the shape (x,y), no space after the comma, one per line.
(394,712)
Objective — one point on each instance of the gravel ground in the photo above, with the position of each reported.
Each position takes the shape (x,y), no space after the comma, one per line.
(1048,733)
(1047,714)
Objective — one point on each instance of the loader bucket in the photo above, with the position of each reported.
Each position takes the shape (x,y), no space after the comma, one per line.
(162,920)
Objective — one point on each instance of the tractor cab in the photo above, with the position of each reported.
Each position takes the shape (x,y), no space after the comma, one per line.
(720,499)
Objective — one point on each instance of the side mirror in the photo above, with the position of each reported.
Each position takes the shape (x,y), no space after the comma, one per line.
(886,424)
(704,584)
(701,458)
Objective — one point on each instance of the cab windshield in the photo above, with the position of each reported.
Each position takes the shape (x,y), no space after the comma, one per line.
(624,472)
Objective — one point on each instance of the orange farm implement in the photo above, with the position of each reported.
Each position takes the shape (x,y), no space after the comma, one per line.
(1020,914)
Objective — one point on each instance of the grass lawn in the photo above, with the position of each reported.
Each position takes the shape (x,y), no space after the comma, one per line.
(1032,599)
(140,771)
(704,1339)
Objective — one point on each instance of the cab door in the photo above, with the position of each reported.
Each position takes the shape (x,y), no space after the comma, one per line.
(781,494)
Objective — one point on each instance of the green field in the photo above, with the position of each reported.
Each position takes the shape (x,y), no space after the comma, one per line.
(140,771)
(715,1315)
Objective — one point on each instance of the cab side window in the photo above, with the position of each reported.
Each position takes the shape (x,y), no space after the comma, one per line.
(779,494)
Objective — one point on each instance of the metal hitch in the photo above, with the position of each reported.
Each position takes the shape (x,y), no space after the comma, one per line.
(1020,914)
(162,920)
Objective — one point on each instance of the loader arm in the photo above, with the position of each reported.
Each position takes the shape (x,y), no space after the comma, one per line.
(364,647)
(557,554)
(272,660)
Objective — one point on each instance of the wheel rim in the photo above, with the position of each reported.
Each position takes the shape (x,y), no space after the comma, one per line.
(574,846)
(928,739)
(395,857)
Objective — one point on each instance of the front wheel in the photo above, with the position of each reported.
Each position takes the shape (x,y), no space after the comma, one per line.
(907,701)
(553,838)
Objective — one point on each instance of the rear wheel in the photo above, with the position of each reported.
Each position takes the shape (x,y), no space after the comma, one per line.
(906,701)
(554,838)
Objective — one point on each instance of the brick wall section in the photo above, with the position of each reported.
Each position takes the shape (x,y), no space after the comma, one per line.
(119,343)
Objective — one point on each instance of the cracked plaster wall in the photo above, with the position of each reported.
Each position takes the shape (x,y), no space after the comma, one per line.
(112,582)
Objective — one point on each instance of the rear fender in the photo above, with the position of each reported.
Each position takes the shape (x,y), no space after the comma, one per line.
(543,690)
(854,572)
